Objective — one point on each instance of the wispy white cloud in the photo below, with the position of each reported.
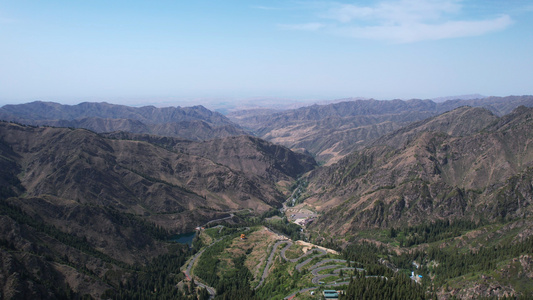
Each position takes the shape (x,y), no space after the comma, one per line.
(303,27)
(413,32)
(403,21)
(403,11)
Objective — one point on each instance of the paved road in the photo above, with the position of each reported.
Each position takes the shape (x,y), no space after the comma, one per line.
(212,292)
(289,244)
(301,291)
(325,261)
(336,271)
(282,253)
(315,268)
(316,281)
(315,287)
(315,271)
(231,215)
(305,262)
(269,261)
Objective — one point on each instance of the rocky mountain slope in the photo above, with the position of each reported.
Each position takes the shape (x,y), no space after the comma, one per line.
(82,212)
(142,178)
(80,207)
(274,162)
(435,169)
(335,130)
(195,123)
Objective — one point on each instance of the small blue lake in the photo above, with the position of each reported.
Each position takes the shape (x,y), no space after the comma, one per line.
(184,238)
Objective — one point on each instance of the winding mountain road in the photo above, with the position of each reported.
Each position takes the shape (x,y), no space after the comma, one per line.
(315,269)
(212,292)
(282,253)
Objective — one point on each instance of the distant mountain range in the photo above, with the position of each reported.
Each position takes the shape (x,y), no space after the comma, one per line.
(195,123)
(332,131)
(460,97)
(328,132)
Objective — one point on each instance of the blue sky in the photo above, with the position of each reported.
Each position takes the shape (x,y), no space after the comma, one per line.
(182,51)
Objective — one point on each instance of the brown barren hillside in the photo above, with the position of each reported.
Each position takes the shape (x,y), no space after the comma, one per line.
(81,213)
(250,155)
(141,178)
(334,130)
(432,171)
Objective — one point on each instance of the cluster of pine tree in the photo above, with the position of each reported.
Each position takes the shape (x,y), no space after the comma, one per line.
(364,254)
(285,227)
(159,279)
(432,232)
(441,264)
(378,281)
(453,263)
(235,283)
(282,281)
(80,243)
(398,286)
(232,283)
(131,220)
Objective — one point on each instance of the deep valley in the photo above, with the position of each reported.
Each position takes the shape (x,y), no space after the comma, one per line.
(375,199)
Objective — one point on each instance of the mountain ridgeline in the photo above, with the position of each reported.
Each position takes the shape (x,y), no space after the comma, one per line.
(91,193)
(465,164)
(332,131)
(139,177)
(194,123)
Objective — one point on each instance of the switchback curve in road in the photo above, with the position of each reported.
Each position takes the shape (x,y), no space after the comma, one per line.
(210,290)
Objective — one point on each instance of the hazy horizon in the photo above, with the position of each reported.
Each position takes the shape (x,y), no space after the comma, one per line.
(228,105)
